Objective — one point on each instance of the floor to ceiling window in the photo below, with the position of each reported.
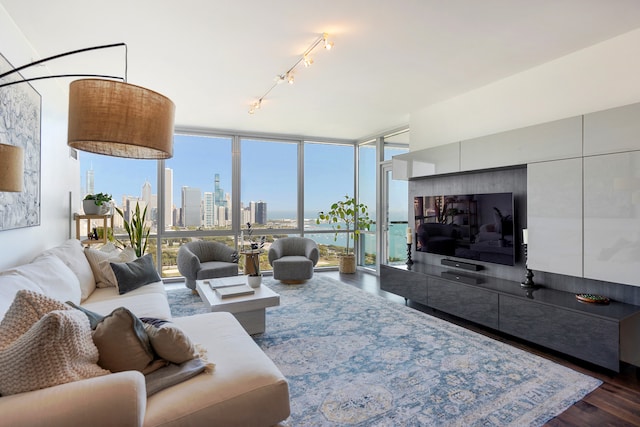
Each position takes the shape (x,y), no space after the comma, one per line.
(328,178)
(367,194)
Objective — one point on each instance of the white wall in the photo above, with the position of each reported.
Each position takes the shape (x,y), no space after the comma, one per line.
(59,172)
(596,78)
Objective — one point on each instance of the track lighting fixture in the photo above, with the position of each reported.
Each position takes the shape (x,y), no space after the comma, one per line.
(288,76)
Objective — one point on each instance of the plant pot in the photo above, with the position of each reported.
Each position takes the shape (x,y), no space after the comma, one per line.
(254,281)
(90,208)
(347,264)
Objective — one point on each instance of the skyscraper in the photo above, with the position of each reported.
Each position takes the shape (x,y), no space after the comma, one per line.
(252,212)
(146,192)
(168,197)
(191,207)
(208,209)
(90,186)
(261,212)
(219,201)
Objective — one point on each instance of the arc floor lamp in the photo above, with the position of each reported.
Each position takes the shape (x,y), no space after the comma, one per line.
(106,116)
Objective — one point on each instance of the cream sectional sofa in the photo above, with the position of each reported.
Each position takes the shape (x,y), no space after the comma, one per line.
(244,389)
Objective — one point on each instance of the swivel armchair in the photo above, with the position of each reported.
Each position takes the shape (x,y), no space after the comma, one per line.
(200,260)
(293,259)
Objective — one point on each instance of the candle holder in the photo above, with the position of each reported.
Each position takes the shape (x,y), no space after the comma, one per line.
(528,282)
(409,260)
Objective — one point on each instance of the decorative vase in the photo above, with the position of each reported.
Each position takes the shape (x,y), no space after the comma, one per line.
(347,264)
(254,281)
(90,208)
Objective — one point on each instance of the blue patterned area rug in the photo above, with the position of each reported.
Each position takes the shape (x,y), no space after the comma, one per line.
(356,359)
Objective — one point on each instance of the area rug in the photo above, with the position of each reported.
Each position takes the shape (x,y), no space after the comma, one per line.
(356,359)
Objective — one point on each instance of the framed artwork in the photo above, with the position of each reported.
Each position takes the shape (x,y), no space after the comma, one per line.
(20,119)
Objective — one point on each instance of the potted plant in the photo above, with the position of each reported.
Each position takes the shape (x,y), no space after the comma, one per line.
(137,230)
(96,204)
(353,216)
(254,279)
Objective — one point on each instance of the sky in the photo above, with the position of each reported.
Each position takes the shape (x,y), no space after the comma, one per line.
(268,171)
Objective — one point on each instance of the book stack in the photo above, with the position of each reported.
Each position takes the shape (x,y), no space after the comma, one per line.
(232,290)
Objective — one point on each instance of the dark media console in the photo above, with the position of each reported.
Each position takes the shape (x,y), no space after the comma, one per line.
(600,334)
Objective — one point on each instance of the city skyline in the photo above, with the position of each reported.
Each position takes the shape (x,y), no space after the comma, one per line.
(268,171)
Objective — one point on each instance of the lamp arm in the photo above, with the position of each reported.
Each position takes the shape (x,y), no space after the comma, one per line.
(61,75)
(73,52)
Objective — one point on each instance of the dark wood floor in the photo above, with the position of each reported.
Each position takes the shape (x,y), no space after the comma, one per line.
(615,403)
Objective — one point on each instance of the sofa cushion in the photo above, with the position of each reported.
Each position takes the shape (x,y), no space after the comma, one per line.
(123,343)
(169,341)
(72,255)
(26,309)
(135,274)
(57,349)
(147,301)
(47,275)
(246,388)
(100,260)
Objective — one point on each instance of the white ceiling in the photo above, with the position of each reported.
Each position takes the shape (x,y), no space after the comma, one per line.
(214,57)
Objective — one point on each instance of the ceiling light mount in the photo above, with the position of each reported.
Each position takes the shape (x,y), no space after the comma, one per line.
(288,76)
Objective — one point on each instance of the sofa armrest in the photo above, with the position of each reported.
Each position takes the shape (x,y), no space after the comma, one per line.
(111,400)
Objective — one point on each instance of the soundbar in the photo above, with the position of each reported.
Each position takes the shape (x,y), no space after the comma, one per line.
(469,280)
(460,264)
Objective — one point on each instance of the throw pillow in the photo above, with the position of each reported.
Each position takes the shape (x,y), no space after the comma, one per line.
(123,343)
(94,318)
(169,341)
(57,349)
(135,274)
(72,255)
(101,267)
(26,309)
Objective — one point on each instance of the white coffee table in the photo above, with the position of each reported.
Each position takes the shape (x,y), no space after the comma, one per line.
(248,309)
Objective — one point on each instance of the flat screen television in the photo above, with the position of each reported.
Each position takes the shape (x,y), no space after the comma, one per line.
(475,227)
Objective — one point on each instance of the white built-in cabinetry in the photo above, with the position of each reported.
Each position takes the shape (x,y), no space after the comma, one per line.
(432,161)
(612,131)
(554,216)
(560,139)
(583,188)
(612,217)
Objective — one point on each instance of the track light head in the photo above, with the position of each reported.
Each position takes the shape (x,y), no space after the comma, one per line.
(288,76)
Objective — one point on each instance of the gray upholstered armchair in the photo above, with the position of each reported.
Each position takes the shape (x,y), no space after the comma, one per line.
(200,260)
(293,259)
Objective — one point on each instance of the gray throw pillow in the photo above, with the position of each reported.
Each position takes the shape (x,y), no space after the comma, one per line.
(135,274)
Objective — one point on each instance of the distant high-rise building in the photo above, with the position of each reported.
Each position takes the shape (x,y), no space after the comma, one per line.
(129,205)
(219,200)
(146,192)
(252,212)
(246,216)
(90,186)
(168,197)
(208,209)
(191,216)
(177,216)
(222,216)
(261,212)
